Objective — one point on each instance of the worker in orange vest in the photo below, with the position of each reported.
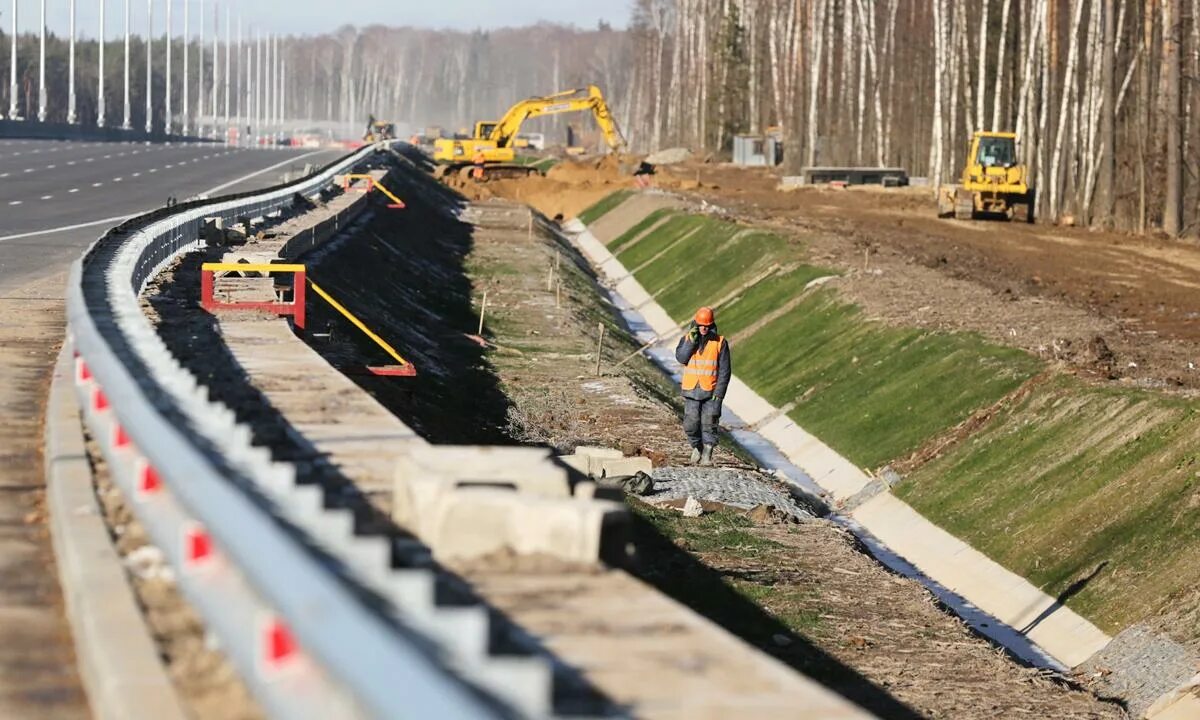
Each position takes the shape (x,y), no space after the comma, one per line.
(477,172)
(705,357)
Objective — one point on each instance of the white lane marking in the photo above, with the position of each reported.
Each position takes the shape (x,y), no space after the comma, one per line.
(47,197)
(90,160)
(112,220)
(73,190)
(51,167)
(70,162)
(117,179)
(116,219)
(169,165)
(3,175)
(153,169)
(97,184)
(135,152)
(137,174)
(106,157)
(16,154)
(28,170)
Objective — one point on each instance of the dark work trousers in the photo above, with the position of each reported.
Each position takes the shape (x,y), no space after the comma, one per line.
(700,421)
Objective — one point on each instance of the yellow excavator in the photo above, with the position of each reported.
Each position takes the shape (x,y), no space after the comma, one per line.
(993,182)
(490,153)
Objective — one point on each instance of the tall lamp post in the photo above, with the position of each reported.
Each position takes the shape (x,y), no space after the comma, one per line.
(100,80)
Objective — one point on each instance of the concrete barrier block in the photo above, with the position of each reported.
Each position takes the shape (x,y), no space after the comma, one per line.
(475,522)
(625,466)
(598,452)
(427,472)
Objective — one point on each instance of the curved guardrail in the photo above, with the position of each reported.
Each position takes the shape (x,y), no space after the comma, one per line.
(307,643)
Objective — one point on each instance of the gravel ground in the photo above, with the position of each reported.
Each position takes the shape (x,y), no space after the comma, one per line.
(735,487)
(1138,665)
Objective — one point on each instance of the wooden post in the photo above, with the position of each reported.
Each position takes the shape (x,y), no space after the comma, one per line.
(529,236)
(549,278)
(558,294)
(599,348)
(482,311)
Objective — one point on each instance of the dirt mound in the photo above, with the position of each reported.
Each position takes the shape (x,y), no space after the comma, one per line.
(569,188)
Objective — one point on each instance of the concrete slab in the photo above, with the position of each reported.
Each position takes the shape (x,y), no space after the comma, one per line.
(992,588)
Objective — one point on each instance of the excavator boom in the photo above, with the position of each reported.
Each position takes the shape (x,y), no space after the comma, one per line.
(493,142)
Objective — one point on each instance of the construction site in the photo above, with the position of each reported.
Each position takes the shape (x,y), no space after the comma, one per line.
(726,375)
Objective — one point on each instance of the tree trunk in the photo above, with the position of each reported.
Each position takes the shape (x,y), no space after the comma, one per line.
(1001,46)
(1108,136)
(1173,200)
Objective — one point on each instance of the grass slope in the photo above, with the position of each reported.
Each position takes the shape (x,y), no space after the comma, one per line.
(871,392)
(1076,478)
(595,212)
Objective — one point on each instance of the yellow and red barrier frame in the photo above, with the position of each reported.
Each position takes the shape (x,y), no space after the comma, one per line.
(372,184)
(295,308)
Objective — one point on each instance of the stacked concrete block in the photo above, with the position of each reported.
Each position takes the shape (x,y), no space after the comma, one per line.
(468,502)
(600,462)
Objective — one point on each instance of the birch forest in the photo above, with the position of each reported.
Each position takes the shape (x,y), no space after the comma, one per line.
(1103,94)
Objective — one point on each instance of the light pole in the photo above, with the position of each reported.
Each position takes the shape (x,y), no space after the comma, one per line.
(200,89)
(100,89)
(71,71)
(187,41)
(241,64)
(216,73)
(12,68)
(126,125)
(167,99)
(149,65)
(42,66)
(228,67)
(258,85)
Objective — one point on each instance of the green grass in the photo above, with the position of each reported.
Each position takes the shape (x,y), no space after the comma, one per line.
(1073,477)
(642,226)
(766,296)
(595,212)
(873,393)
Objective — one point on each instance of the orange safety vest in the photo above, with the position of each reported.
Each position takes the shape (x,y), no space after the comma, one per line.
(702,366)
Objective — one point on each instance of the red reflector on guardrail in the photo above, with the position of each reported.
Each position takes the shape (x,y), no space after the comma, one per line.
(279,645)
(197,545)
(82,372)
(99,400)
(148,481)
(120,439)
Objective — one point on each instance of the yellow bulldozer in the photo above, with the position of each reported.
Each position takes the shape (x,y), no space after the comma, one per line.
(993,183)
(489,153)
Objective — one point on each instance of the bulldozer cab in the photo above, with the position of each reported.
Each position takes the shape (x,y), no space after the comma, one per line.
(996,151)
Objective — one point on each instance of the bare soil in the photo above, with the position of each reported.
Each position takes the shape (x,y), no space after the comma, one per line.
(1111,306)
(38,677)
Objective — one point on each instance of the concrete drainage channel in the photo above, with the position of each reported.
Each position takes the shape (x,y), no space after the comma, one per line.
(318,620)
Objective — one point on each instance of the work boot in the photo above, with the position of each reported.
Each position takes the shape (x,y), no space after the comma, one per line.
(695,458)
(706,455)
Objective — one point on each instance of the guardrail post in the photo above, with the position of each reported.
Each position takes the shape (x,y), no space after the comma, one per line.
(206,289)
(299,281)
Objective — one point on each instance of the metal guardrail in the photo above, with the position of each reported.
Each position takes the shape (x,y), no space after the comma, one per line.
(258,555)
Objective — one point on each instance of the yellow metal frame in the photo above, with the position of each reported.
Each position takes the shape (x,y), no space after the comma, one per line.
(358,323)
(251,267)
(373,183)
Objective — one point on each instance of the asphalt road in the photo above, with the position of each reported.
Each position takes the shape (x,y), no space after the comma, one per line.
(58,196)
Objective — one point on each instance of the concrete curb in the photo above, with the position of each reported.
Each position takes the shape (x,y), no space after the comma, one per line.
(1065,637)
(118,660)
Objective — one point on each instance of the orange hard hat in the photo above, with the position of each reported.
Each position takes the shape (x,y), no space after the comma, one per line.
(704,316)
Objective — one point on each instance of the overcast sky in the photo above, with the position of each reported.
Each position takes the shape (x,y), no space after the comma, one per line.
(318,16)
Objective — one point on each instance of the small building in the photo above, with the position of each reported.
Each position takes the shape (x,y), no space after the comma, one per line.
(757,150)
